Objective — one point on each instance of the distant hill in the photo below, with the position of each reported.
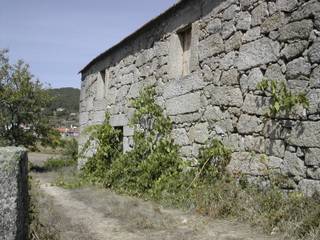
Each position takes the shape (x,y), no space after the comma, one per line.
(67,98)
(64,109)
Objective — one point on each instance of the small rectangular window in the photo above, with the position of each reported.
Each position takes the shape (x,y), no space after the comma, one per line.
(185,40)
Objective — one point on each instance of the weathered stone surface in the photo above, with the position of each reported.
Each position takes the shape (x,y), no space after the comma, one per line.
(250,83)
(213,113)
(312,157)
(314,100)
(13,193)
(199,133)
(259,14)
(294,49)
(274,22)
(118,120)
(286,5)
(249,124)
(275,148)
(214,26)
(274,163)
(244,21)
(314,52)
(135,90)
(274,72)
(226,96)
(296,30)
(234,42)
(180,136)
(254,144)
(230,77)
(306,134)
(211,46)
(309,9)
(309,187)
(182,86)
(274,130)
(228,29)
(256,104)
(245,4)
(259,52)
(293,166)
(313,173)
(315,77)
(228,60)
(247,163)
(222,127)
(298,67)
(230,12)
(183,104)
(251,35)
(186,118)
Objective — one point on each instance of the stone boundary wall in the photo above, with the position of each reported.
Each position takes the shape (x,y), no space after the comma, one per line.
(235,44)
(13,193)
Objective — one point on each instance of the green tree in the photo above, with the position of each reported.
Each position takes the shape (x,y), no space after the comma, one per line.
(22,106)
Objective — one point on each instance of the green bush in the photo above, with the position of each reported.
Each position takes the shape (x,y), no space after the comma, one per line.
(153,169)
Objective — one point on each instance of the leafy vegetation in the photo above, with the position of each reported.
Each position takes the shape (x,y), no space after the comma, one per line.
(282,99)
(22,104)
(153,169)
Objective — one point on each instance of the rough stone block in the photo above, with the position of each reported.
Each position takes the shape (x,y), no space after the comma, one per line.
(199,133)
(313,173)
(314,52)
(226,96)
(298,67)
(244,21)
(249,124)
(315,77)
(294,49)
(230,77)
(309,187)
(259,14)
(251,82)
(273,23)
(234,42)
(13,193)
(254,144)
(261,51)
(251,35)
(296,30)
(118,120)
(184,104)
(312,157)
(306,134)
(274,72)
(275,148)
(228,29)
(182,86)
(256,104)
(211,46)
(286,5)
(293,166)
(248,163)
(180,136)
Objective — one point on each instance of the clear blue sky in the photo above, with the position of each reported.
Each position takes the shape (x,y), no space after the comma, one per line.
(59,37)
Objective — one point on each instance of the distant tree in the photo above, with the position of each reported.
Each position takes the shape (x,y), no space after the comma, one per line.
(23,101)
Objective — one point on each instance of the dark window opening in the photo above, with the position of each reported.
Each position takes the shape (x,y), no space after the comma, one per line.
(120,136)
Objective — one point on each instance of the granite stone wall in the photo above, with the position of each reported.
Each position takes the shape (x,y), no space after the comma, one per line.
(235,44)
(13,193)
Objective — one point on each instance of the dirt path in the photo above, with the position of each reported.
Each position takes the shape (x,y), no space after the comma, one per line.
(96,214)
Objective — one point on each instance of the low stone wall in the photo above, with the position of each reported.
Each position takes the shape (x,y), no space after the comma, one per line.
(13,193)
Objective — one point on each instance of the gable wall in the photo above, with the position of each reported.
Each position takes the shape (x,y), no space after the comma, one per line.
(235,44)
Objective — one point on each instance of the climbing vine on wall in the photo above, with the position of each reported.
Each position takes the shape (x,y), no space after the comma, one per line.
(283,100)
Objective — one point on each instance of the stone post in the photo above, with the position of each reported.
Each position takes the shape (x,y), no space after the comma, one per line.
(13,193)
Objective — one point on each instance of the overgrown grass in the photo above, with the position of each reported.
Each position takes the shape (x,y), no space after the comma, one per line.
(39,229)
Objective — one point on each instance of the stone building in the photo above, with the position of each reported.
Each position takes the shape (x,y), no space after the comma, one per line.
(205,58)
